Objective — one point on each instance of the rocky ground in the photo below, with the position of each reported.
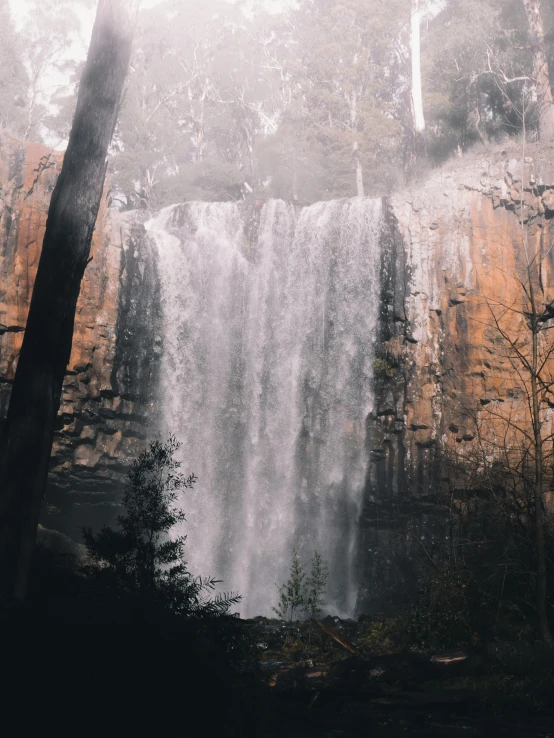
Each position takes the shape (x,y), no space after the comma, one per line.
(311,685)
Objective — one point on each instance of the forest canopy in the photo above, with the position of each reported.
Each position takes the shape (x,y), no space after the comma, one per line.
(228,99)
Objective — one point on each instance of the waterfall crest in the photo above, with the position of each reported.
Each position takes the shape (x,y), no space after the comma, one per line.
(269,324)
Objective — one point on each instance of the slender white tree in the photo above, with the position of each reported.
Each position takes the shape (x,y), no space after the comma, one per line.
(541,74)
(415,47)
(353,100)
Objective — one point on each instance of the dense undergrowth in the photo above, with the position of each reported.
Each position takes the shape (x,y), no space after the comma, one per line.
(149,668)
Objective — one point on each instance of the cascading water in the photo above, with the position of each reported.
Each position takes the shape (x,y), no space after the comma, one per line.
(267,380)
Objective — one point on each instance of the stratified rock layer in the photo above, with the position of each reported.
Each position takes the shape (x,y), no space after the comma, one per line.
(107,393)
(452,241)
(463,235)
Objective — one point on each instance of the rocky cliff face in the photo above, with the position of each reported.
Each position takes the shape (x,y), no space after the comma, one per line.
(450,241)
(442,243)
(463,233)
(107,397)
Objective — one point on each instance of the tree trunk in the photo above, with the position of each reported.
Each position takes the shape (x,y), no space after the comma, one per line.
(30,114)
(28,433)
(353,101)
(541,73)
(294,177)
(542,583)
(359,171)
(199,125)
(417,95)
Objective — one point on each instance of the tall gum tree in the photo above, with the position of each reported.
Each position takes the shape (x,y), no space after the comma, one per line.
(187,126)
(14,80)
(340,68)
(51,28)
(541,72)
(26,444)
(416,92)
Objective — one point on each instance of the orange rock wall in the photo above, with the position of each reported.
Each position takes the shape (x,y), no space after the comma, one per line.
(447,242)
(100,413)
(28,175)
(463,232)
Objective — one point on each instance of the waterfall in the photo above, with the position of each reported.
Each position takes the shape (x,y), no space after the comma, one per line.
(269,322)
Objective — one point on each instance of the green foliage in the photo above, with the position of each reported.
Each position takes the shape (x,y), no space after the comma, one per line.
(316,585)
(387,634)
(471,47)
(479,589)
(343,94)
(382,368)
(186,128)
(482,585)
(218,101)
(441,615)
(302,594)
(138,560)
(291,593)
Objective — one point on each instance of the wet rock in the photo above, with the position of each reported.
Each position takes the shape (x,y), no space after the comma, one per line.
(61,545)
(115,328)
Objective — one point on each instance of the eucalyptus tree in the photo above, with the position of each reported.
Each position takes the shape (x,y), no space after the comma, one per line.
(415,53)
(14,80)
(341,57)
(541,74)
(192,110)
(477,64)
(50,29)
(27,437)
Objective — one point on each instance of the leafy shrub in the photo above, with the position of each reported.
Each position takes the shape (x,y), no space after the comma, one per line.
(301,594)
(388,634)
(440,617)
(382,368)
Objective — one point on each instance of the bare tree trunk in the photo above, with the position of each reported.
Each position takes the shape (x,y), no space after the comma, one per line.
(542,583)
(359,170)
(294,177)
(28,433)
(30,114)
(199,124)
(541,73)
(417,94)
